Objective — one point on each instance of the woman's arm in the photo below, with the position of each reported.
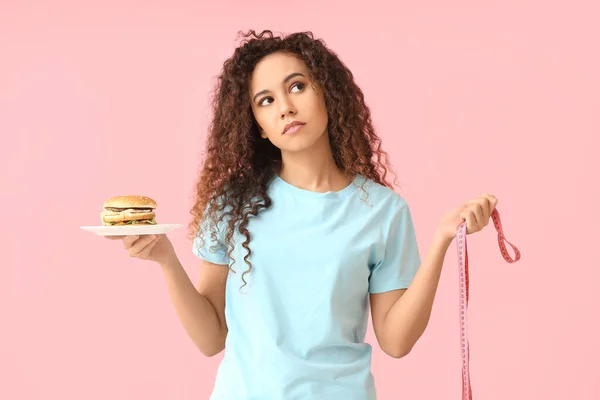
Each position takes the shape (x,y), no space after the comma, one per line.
(202,309)
(401,316)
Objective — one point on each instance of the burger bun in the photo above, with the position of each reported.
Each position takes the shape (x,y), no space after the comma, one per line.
(130,201)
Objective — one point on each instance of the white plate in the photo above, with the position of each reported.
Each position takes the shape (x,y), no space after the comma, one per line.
(124,230)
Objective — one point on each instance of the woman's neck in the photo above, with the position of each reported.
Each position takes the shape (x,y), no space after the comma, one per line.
(313,169)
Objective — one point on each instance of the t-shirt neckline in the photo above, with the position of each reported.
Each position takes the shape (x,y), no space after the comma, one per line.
(352,186)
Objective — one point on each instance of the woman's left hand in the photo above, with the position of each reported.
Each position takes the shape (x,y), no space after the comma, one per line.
(476,212)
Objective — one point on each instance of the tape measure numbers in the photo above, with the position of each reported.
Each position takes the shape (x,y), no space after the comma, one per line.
(463,265)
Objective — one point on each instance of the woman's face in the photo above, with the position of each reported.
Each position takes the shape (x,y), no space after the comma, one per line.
(281,93)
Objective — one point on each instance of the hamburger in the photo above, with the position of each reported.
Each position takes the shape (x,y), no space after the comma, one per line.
(128,210)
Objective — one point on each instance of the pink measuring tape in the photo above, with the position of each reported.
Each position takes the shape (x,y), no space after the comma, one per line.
(463,264)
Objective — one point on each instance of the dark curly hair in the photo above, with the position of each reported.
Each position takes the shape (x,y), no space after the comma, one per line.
(238,164)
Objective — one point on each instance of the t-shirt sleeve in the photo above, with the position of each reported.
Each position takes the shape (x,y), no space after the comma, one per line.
(211,247)
(398,258)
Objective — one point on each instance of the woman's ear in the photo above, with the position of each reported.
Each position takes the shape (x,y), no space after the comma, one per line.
(262,134)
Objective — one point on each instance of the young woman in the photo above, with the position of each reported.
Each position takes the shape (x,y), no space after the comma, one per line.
(299,232)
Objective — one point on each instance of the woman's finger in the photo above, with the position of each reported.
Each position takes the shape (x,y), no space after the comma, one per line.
(145,252)
(141,244)
(129,241)
(469,217)
(475,208)
(486,210)
(479,213)
(114,237)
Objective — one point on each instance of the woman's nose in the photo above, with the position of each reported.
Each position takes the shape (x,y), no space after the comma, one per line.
(287,107)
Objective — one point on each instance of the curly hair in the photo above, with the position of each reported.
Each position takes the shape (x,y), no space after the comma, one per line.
(238,164)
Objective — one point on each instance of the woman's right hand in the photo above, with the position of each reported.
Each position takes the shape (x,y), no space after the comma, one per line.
(157,248)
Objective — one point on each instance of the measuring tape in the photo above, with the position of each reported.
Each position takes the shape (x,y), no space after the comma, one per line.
(463,264)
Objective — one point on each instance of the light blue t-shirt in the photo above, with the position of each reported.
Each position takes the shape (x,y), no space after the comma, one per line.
(297,329)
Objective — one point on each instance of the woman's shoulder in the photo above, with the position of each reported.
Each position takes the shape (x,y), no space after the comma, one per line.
(382,194)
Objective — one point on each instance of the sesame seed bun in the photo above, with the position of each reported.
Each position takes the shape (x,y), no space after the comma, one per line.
(130,201)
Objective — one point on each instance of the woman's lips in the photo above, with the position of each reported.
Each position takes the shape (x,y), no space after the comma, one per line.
(293,129)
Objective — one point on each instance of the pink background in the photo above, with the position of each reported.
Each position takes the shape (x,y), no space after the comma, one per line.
(111,98)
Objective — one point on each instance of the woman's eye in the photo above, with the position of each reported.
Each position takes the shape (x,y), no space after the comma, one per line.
(299,84)
(262,102)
